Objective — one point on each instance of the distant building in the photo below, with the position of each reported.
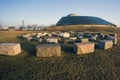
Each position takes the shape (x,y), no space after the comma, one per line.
(11,28)
(23,24)
(73,19)
(3,28)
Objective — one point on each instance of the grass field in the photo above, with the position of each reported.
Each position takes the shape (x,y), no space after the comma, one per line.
(100,65)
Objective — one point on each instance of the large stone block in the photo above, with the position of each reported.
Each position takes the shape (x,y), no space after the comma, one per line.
(10,49)
(48,50)
(84,48)
(114,39)
(105,44)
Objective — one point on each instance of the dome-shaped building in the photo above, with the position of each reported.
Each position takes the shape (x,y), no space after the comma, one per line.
(74,19)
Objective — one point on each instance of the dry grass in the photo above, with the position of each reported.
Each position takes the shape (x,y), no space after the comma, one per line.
(100,65)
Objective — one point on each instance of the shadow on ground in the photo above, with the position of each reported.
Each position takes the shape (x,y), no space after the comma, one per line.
(67,48)
(29,48)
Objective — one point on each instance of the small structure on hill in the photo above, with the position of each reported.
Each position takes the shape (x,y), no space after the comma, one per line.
(10,49)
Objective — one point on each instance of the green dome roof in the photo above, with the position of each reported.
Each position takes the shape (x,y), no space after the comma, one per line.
(73,19)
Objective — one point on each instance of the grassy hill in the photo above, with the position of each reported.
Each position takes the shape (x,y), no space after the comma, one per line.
(100,65)
(82,28)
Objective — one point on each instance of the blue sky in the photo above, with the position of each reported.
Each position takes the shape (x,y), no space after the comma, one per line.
(47,12)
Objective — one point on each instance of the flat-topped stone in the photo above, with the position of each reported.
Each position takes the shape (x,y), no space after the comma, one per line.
(113,34)
(52,40)
(114,39)
(73,38)
(93,38)
(84,40)
(105,44)
(10,49)
(48,50)
(65,35)
(83,48)
(28,34)
(33,34)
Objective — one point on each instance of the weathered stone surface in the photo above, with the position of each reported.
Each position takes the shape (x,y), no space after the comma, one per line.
(93,38)
(40,39)
(44,34)
(73,38)
(79,37)
(114,39)
(28,34)
(39,34)
(24,36)
(52,40)
(65,34)
(113,34)
(33,34)
(48,50)
(69,41)
(84,40)
(101,35)
(105,44)
(10,49)
(49,35)
(84,48)
(29,38)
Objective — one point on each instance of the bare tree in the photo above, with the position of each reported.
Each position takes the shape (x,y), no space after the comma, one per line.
(0,26)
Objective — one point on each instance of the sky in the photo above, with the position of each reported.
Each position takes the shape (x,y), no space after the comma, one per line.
(48,12)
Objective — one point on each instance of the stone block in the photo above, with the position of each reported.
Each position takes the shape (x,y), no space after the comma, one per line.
(113,34)
(65,35)
(52,40)
(79,37)
(114,39)
(34,34)
(73,38)
(93,38)
(69,41)
(40,39)
(84,40)
(105,44)
(28,34)
(48,50)
(29,38)
(84,48)
(10,49)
